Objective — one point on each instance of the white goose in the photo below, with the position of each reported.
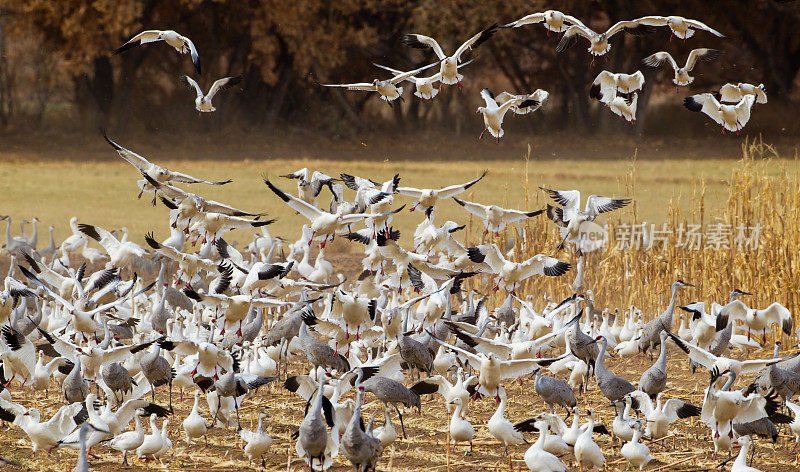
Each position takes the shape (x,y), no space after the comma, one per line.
(449,64)
(636,453)
(682,76)
(680,26)
(387,89)
(494,217)
(257,442)
(731,117)
(428,198)
(182,44)
(757,320)
(553,20)
(598,41)
(501,428)
(493,113)
(509,274)
(128,441)
(194,425)
(607,84)
(587,452)
(203,101)
(539,96)
(735,93)
(539,460)
(423,86)
(460,429)
(624,107)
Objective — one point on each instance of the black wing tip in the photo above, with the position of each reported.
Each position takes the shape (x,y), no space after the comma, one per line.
(89,230)
(277,191)
(151,241)
(560,268)
(475,255)
(691,104)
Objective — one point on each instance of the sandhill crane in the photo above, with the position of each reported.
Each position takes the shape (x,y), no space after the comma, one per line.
(392,392)
(360,447)
(651,334)
(182,44)
(654,380)
(611,386)
(554,391)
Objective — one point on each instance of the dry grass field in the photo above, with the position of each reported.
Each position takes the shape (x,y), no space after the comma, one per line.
(758,188)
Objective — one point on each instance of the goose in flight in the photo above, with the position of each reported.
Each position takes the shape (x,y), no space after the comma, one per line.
(182,44)
(424,88)
(156,172)
(511,274)
(539,96)
(493,113)
(553,20)
(449,64)
(625,107)
(387,89)
(731,117)
(607,85)
(203,101)
(599,42)
(682,76)
(120,251)
(756,320)
(323,223)
(735,93)
(428,198)
(569,217)
(495,218)
(309,183)
(680,26)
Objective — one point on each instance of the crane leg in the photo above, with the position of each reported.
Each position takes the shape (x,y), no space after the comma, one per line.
(402,426)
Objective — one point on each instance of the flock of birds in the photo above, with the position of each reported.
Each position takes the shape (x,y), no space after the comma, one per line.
(224,322)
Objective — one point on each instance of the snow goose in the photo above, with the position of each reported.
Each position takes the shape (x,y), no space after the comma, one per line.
(740,464)
(599,42)
(428,198)
(794,426)
(538,459)
(508,274)
(423,86)
(680,26)
(493,113)
(386,434)
(449,64)
(151,443)
(120,251)
(494,217)
(460,429)
(257,442)
(156,172)
(387,89)
(46,434)
(203,101)
(625,107)
(194,425)
(439,384)
(587,453)
(607,85)
(756,320)
(540,97)
(553,20)
(182,44)
(128,441)
(212,225)
(75,241)
(501,428)
(682,76)
(569,217)
(636,453)
(735,93)
(324,225)
(309,184)
(731,117)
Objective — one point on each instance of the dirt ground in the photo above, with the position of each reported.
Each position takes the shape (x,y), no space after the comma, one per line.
(687,448)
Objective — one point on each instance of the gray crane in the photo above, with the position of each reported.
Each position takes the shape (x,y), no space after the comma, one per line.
(360,447)
(392,392)
(253,325)
(313,434)
(784,382)
(118,379)
(654,380)
(581,344)
(317,352)
(611,385)
(650,338)
(83,461)
(157,370)
(554,391)
(75,388)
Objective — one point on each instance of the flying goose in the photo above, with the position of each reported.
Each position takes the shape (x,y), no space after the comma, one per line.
(599,42)
(495,218)
(553,20)
(682,73)
(449,64)
(509,274)
(607,85)
(428,198)
(625,107)
(493,113)
(182,44)
(735,93)
(539,96)
(680,26)
(203,101)
(156,172)
(423,86)
(569,217)
(386,88)
(731,117)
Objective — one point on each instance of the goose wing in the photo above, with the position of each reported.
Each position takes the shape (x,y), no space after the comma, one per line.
(475,41)
(655,60)
(223,84)
(596,204)
(420,41)
(309,211)
(701,54)
(454,190)
(192,84)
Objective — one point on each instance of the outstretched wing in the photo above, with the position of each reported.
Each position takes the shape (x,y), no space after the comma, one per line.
(192,84)
(223,84)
